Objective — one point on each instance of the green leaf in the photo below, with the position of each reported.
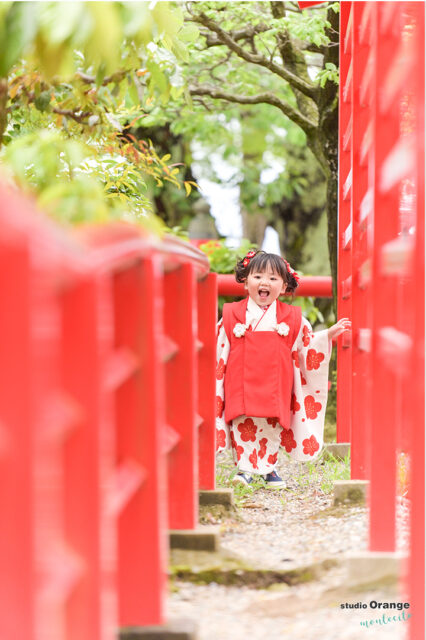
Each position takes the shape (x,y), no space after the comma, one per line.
(18,25)
(189,33)
(42,101)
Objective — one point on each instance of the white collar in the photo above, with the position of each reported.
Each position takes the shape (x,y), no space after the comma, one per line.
(257,312)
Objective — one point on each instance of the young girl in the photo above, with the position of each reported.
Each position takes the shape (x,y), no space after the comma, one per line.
(272,372)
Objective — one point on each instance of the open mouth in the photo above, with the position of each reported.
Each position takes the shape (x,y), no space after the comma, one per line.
(263,294)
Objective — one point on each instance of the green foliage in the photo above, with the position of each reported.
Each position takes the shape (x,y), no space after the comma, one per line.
(309,26)
(329,73)
(73,186)
(309,310)
(320,475)
(89,71)
(223,258)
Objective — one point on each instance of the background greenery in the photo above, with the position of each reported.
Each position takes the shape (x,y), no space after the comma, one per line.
(103,103)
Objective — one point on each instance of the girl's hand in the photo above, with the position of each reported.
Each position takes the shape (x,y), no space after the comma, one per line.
(344,324)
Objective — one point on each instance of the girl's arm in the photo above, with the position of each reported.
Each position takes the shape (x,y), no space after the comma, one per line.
(344,324)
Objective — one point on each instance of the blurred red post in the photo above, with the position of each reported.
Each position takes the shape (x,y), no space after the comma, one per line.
(180,326)
(417,382)
(140,498)
(361,228)
(88,457)
(207,317)
(17,561)
(344,278)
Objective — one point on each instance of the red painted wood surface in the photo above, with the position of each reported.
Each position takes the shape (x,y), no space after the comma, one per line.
(180,325)
(362,229)
(344,281)
(317,286)
(207,301)
(382,55)
(91,437)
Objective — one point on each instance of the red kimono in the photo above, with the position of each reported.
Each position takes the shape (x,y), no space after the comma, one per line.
(272,383)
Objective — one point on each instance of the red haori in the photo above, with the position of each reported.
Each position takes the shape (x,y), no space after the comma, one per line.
(220,439)
(312,408)
(248,391)
(314,359)
(219,407)
(310,446)
(287,440)
(247,430)
(253,459)
(262,451)
(220,369)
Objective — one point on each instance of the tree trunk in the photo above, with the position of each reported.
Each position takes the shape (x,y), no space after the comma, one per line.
(254,225)
(328,134)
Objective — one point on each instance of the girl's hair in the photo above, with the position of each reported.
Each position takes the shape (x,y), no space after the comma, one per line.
(260,262)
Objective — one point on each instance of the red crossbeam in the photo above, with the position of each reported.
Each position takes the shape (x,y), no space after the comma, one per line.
(317,286)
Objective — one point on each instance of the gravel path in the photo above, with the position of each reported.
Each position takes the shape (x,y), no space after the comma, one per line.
(281,530)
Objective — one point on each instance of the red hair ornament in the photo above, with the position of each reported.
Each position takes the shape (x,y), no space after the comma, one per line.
(248,257)
(292,271)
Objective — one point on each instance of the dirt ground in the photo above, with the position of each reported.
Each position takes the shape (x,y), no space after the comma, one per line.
(293,581)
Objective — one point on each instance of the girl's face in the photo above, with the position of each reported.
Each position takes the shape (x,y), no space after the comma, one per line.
(265,286)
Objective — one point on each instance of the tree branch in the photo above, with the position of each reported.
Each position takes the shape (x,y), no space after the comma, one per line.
(117,76)
(3,109)
(298,118)
(246,33)
(78,116)
(304,87)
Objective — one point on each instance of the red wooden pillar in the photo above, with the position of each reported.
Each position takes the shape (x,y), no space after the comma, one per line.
(387,357)
(207,316)
(17,561)
(362,69)
(84,491)
(344,280)
(140,499)
(180,325)
(417,448)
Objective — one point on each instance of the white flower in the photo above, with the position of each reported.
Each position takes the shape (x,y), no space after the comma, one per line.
(239,330)
(283,329)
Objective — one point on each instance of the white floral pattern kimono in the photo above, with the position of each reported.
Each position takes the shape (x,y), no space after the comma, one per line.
(255,441)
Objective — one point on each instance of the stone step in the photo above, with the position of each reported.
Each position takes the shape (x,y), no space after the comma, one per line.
(229,569)
(337,450)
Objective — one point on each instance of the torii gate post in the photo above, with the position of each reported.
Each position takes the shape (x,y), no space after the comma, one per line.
(380,383)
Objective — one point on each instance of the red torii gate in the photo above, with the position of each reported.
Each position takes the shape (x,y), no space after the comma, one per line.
(381,264)
(380,407)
